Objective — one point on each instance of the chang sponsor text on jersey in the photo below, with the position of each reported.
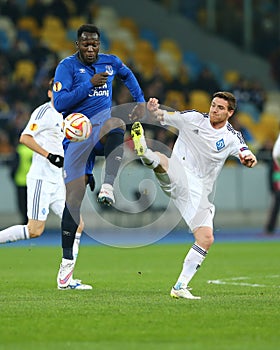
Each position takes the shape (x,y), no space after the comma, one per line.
(100,91)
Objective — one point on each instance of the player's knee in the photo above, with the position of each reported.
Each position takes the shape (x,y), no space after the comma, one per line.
(35,234)
(74,200)
(111,124)
(36,229)
(210,240)
(204,237)
(75,191)
(116,123)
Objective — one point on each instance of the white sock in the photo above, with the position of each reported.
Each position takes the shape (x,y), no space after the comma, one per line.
(76,245)
(14,233)
(150,159)
(192,262)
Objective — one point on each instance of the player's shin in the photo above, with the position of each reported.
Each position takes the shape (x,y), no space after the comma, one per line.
(113,152)
(68,230)
(191,264)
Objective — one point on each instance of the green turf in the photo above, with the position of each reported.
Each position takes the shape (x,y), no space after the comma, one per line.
(130,307)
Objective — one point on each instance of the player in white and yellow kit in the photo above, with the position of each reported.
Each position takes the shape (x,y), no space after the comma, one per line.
(45,184)
(204,143)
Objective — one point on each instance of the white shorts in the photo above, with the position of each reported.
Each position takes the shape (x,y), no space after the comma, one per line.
(190,195)
(42,196)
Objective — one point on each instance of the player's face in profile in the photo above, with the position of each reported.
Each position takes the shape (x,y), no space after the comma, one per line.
(219,112)
(88,45)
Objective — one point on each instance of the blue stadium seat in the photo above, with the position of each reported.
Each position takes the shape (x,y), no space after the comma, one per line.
(4,41)
(216,70)
(193,62)
(249,108)
(25,36)
(150,36)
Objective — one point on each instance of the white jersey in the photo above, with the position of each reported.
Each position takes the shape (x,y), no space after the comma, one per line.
(200,148)
(45,125)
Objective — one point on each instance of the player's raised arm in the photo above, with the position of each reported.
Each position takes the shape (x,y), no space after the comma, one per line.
(175,119)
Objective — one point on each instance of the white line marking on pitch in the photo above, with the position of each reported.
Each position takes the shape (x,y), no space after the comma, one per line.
(232,282)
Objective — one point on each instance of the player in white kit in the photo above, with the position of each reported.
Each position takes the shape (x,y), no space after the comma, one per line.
(45,185)
(204,143)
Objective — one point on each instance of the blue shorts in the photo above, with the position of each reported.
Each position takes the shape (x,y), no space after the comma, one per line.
(79,157)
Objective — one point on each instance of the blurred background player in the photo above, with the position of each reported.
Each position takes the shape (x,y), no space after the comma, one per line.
(83,83)
(20,165)
(45,185)
(204,143)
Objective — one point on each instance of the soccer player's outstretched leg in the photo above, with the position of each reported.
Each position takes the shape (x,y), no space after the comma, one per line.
(204,142)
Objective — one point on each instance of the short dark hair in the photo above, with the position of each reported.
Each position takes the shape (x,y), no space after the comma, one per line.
(229,97)
(89,28)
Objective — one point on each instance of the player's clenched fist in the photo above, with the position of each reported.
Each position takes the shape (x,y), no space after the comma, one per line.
(153,108)
(56,160)
(249,160)
(99,79)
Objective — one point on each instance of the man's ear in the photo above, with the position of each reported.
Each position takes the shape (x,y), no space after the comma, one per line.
(77,43)
(231,114)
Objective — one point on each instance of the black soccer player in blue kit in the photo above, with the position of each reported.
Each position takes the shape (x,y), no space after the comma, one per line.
(83,83)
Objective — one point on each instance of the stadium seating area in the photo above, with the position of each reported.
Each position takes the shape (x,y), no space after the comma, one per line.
(31,47)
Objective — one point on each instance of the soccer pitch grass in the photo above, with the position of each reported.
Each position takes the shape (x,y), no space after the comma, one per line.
(130,307)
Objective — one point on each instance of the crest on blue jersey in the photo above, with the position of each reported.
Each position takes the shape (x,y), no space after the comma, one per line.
(220,144)
(109,69)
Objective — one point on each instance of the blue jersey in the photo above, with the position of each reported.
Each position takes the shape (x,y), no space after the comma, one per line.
(74,92)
